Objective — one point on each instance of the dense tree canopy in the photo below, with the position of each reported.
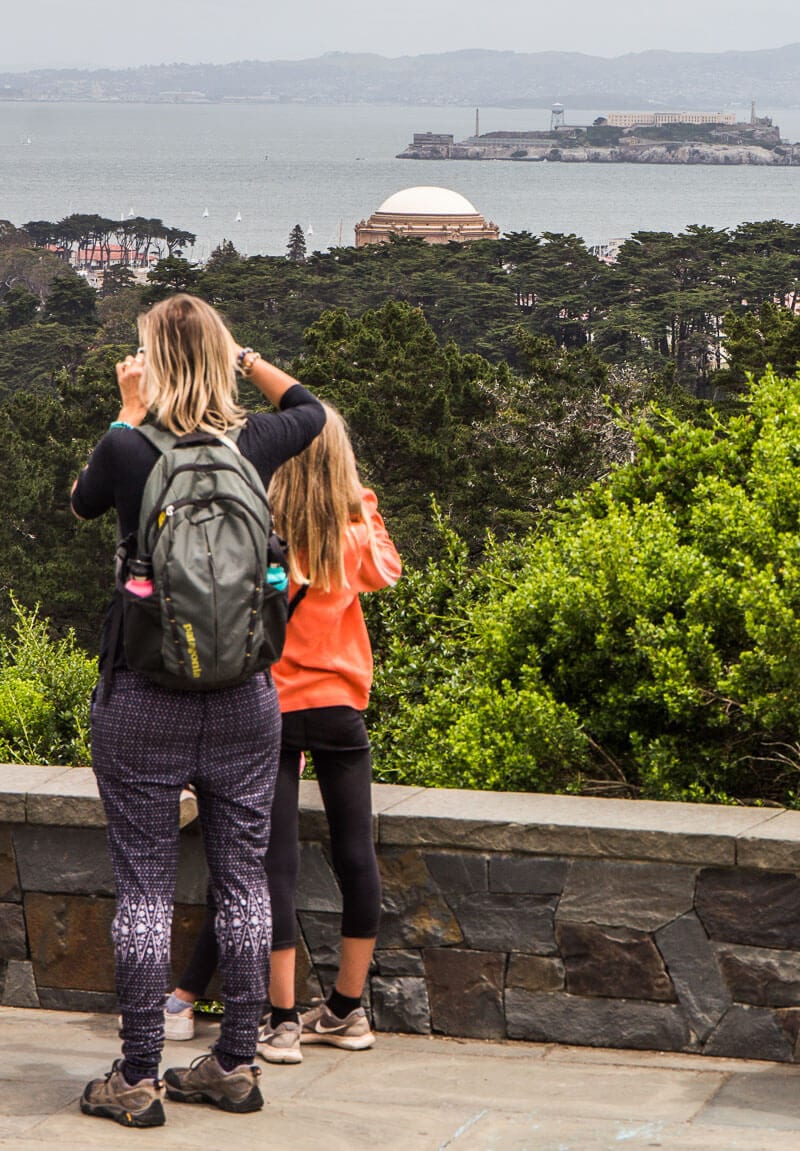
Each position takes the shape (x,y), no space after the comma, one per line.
(606,638)
(644,643)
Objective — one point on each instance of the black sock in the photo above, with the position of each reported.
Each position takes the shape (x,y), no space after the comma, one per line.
(280,1015)
(134,1073)
(342,1005)
(228,1062)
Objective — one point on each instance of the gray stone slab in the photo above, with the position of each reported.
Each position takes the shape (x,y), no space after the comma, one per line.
(496,921)
(788,1018)
(24,1104)
(191,884)
(387,796)
(457,871)
(409,1093)
(427,1072)
(13,944)
(527,874)
(313,823)
(66,999)
(63,859)
(466,992)
(71,799)
(415,913)
(312,819)
(322,932)
(756,908)
(770,1100)
(399,962)
(16,782)
(570,825)
(759,975)
(9,879)
(562,1018)
(19,988)
(750,1033)
(317,889)
(639,895)
(401,1004)
(188,808)
(695,973)
(301,1124)
(774,845)
(535,973)
(499,1131)
(613,962)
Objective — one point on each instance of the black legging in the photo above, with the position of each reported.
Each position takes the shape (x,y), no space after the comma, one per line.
(338,742)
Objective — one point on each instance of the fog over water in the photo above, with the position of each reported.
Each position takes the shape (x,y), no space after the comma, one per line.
(117,34)
(328,167)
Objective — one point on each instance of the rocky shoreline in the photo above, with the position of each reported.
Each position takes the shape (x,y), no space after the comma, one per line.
(537,151)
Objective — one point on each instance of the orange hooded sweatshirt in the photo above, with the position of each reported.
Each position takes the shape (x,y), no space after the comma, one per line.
(327,659)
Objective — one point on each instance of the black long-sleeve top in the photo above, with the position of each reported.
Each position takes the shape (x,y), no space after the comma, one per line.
(118,468)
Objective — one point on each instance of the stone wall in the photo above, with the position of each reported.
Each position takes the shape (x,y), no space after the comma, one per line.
(547,918)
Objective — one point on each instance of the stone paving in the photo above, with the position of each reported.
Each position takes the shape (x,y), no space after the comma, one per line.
(410,1093)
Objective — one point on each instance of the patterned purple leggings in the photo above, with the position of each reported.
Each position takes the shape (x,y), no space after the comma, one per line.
(147,744)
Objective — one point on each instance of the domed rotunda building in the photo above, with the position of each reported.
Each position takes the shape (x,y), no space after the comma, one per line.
(437,215)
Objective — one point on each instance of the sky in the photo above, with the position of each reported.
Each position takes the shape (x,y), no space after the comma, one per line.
(110,33)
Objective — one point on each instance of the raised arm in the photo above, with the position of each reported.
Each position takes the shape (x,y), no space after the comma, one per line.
(270,380)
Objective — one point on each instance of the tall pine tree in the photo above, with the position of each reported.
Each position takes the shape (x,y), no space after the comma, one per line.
(296,248)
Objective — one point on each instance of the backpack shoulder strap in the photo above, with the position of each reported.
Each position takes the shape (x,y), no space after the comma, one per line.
(161,440)
(296,600)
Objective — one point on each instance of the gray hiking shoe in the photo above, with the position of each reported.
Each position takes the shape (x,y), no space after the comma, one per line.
(206,1082)
(114,1098)
(320,1025)
(280,1044)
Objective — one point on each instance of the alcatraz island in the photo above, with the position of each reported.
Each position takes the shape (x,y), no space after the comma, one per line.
(621,138)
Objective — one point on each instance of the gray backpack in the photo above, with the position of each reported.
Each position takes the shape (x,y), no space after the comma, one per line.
(204,597)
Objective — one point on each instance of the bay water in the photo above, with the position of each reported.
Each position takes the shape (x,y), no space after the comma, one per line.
(250,172)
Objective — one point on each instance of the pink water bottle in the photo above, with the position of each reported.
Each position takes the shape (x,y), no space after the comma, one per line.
(140,579)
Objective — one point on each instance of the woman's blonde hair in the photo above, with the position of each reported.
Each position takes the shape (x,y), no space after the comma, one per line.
(189,378)
(315,499)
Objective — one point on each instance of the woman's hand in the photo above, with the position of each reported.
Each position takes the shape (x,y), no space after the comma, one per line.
(129,378)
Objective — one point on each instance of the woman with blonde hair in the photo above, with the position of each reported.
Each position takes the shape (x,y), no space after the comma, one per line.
(149,742)
(338,548)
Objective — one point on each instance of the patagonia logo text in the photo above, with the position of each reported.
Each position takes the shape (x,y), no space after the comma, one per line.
(191,644)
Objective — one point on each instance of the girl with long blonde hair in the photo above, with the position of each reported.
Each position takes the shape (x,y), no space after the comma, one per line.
(338,548)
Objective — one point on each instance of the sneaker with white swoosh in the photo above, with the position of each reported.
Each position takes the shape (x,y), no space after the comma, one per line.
(320,1025)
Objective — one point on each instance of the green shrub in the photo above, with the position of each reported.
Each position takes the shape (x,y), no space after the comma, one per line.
(45,686)
(646,641)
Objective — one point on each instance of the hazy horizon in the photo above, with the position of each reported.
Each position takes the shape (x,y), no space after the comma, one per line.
(92,34)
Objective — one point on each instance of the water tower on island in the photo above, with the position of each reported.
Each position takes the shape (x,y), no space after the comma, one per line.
(556,117)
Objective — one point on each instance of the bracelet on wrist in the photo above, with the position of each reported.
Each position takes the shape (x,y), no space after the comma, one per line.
(249,359)
(119,424)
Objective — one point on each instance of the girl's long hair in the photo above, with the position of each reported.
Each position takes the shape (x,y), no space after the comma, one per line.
(316,499)
(189,379)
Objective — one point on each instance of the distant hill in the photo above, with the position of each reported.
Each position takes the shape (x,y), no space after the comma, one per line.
(639,80)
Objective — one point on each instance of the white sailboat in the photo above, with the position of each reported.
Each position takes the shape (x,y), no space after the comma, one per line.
(238,217)
(205,213)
